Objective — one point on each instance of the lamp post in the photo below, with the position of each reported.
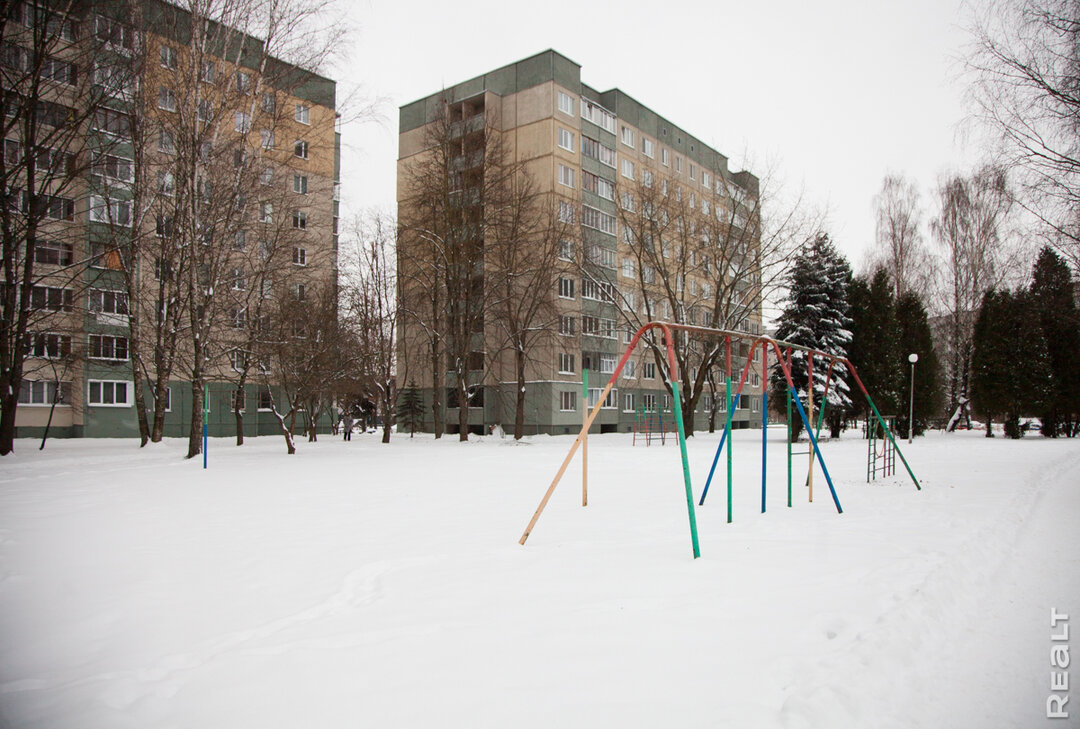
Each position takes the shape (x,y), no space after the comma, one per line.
(912,358)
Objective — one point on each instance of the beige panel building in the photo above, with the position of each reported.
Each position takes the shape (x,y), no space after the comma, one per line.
(654,227)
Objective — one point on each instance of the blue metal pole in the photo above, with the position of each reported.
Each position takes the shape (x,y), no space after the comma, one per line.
(814,442)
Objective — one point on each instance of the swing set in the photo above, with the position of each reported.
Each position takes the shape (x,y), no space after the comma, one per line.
(783,352)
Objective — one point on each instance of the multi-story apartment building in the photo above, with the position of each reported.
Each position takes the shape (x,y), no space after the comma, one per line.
(654,227)
(196,198)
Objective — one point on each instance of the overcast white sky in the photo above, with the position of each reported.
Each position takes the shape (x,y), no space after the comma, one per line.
(835,93)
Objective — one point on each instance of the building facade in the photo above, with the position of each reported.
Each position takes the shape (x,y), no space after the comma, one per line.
(196,197)
(652,226)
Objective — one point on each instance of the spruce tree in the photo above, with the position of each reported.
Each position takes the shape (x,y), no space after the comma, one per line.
(410,410)
(1059,321)
(816,316)
(1010,365)
(875,344)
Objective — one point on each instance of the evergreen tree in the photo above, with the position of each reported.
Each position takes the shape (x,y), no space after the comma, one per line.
(915,337)
(1052,298)
(1010,365)
(410,410)
(816,316)
(875,344)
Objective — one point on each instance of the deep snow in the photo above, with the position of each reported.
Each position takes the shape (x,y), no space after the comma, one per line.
(363,585)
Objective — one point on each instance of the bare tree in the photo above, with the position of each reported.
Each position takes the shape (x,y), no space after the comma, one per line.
(1023,65)
(970,231)
(696,261)
(900,247)
(370,295)
(49,105)
(464,186)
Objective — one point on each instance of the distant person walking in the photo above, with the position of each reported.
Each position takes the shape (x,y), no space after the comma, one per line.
(346,425)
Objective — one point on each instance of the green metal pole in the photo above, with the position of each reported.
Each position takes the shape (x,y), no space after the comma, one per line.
(685,468)
(730,406)
(889,434)
(789,448)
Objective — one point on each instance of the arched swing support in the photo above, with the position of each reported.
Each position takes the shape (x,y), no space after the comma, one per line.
(667,330)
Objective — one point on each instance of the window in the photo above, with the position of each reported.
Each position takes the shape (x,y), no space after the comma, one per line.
(664,157)
(597,185)
(238,317)
(630,368)
(268,102)
(646,177)
(299,256)
(112,122)
(648,370)
(104,301)
(608,363)
(598,115)
(566,212)
(678,164)
(266,212)
(300,149)
(598,151)
(238,359)
(648,402)
(566,363)
(239,281)
(628,169)
(208,72)
(704,178)
(266,138)
(627,201)
(598,290)
(166,142)
(239,240)
(266,399)
(566,139)
(108,393)
(628,402)
(303,113)
(593,218)
(648,147)
(113,32)
(104,346)
(600,256)
(242,122)
(566,288)
(693,171)
(299,292)
(626,134)
(243,82)
(568,401)
(299,220)
(566,250)
(48,345)
(205,111)
(53,253)
(166,183)
(566,326)
(610,402)
(36,392)
(566,103)
(628,267)
(299,184)
(168,57)
(115,212)
(566,176)
(266,177)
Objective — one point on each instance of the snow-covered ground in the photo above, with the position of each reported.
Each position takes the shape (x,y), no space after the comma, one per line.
(364,585)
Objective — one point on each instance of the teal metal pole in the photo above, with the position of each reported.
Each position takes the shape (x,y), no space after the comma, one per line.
(685,469)
(789,448)
(205,418)
(764,439)
(727,388)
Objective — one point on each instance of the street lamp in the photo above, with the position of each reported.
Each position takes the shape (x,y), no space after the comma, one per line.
(912,358)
